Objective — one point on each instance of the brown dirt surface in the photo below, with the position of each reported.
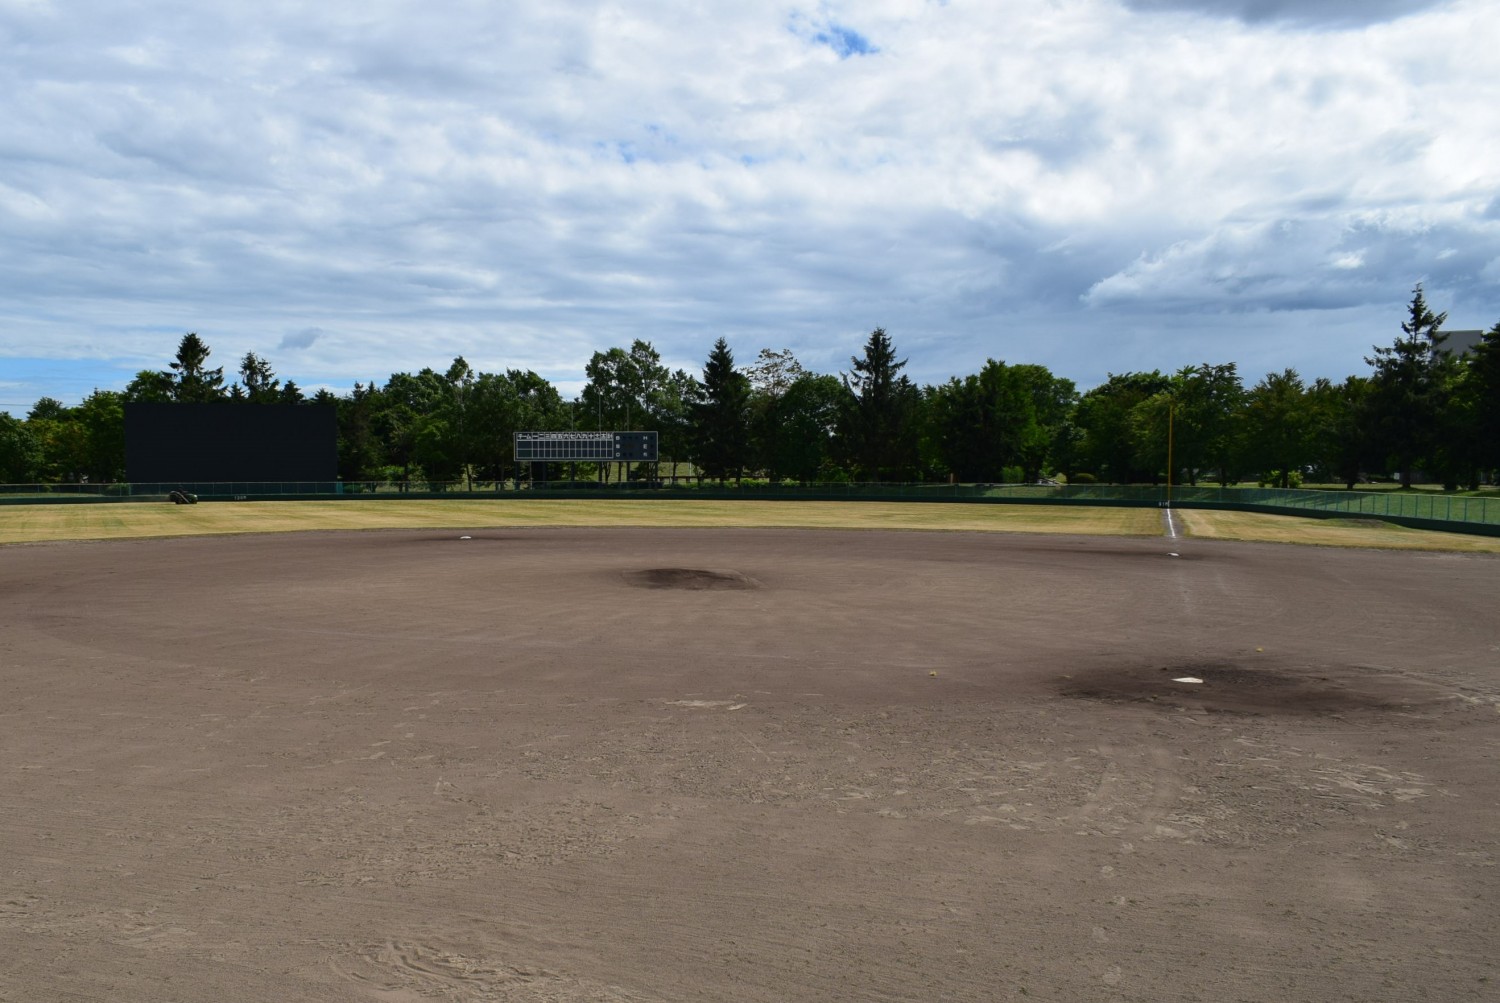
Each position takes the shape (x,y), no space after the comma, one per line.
(562,764)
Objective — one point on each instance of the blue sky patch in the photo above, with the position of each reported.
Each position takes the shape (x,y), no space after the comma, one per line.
(845,42)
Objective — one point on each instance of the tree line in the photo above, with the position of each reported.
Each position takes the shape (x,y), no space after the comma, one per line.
(1420,411)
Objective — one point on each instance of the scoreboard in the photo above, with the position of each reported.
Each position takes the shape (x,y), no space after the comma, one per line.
(586,447)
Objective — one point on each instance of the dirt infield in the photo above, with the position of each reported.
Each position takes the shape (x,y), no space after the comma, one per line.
(648,764)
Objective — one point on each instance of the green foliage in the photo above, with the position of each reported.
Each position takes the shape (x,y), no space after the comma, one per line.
(1279,427)
(1419,410)
(771,379)
(810,412)
(192,381)
(1109,433)
(1281,479)
(1342,442)
(1002,416)
(361,450)
(47,409)
(632,389)
(1409,388)
(101,416)
(1483,389)
(20,453)
(721,417)
(260,385)
(500,404)
(1195,419)
(878,427)
(151,387)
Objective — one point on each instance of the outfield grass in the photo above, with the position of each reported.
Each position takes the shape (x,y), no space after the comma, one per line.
(1351,532)
(37,523)
(44,523)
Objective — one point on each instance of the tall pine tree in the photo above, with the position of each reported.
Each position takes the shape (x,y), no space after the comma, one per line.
(879,425)
(722,417)
(192,381)
(1407,389)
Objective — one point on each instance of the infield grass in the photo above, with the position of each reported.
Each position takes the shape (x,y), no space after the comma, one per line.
(135,520)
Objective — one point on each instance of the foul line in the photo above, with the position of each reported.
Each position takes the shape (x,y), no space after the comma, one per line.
(1166,518)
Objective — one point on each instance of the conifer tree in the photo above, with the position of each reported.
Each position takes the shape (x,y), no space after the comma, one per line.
(722,417)
(1408,387)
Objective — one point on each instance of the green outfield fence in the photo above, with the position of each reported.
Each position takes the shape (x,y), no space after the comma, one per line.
(1417,509)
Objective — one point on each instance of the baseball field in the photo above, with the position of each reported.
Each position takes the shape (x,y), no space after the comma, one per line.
(424,751)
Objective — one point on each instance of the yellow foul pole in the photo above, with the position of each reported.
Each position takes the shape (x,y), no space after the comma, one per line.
(1171,405)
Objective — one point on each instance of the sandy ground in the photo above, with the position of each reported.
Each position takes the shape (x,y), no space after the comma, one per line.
(583,765)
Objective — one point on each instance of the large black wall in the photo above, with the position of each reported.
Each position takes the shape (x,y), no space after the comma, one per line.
(183,443)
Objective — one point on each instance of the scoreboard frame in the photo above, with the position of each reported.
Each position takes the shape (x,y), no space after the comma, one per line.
(586,447)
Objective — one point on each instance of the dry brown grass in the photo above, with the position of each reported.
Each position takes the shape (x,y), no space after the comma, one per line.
(1256,526)
(38,523)
(125,520)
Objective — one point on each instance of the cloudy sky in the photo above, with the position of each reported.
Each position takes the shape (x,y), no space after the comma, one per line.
(1094,185)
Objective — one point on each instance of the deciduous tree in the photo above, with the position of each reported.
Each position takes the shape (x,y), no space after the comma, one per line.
(20,453)
(1279,426)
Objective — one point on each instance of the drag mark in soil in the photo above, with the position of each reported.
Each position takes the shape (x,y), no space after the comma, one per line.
(400,970)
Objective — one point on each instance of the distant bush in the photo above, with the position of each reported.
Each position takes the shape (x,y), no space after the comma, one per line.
(1272,479)
(1083,477)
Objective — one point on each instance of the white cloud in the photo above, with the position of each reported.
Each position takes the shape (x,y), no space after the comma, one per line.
(1328,13)
(526,183)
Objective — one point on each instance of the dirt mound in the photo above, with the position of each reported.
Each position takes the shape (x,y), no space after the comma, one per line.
(692,579)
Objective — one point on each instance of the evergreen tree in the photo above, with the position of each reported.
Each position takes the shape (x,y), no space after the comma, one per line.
(879,426)
(1343,444)
(361,451)
(258,380)
(1484,383)
(1408,389)
(192,381)
(721,417)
